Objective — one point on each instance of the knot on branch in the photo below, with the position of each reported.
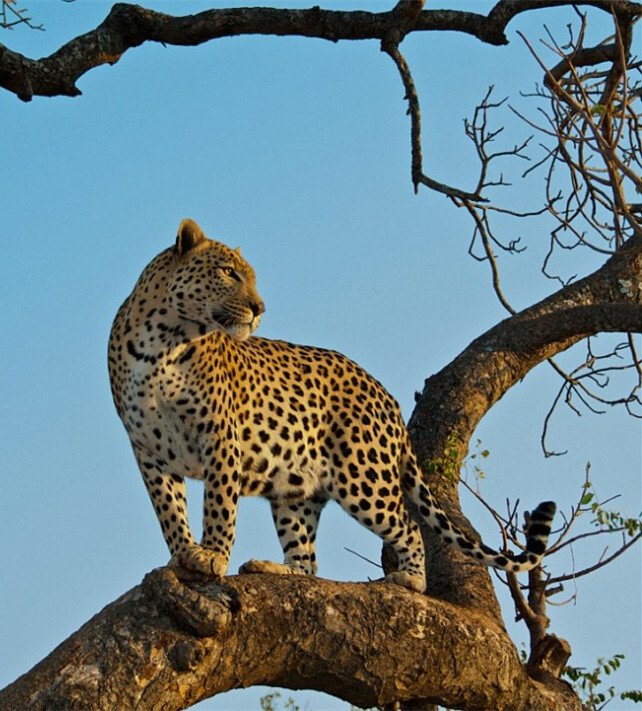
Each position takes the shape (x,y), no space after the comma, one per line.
(403,18)
(548,658)
(130,22)
(204,608)
(185,655)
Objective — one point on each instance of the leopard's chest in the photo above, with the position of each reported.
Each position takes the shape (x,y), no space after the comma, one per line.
(168,415)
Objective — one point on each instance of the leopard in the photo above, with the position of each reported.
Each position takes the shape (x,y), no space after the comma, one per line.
(201,397)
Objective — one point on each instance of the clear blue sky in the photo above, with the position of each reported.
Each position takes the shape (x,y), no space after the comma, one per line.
(297,150)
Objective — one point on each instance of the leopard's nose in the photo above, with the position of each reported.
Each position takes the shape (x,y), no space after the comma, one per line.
(258,307)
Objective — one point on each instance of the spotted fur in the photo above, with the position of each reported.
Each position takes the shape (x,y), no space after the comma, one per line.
(200,397)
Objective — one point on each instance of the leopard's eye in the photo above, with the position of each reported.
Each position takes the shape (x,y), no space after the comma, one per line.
(229,271)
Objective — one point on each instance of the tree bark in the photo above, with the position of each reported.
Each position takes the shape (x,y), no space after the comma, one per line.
(167,644)
(456,398)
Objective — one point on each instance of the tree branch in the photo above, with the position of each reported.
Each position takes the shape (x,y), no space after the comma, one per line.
(391,47)
(128,26)
(454,400)
(600,564)
(492,363)
(167,644)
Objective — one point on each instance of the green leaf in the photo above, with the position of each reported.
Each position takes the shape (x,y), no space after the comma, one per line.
(635,696)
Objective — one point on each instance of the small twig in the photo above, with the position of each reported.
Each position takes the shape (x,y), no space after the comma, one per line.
(481,230)
(501,523)
(19,15)
(363,557)
(600,564)
(547,419)
(581,536)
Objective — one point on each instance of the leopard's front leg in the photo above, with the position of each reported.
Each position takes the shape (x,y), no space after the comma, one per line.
(167,492)
(221,496)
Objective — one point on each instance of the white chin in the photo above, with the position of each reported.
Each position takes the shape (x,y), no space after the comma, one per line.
(239,332)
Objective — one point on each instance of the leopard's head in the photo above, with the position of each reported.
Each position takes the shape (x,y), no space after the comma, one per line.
(212,286)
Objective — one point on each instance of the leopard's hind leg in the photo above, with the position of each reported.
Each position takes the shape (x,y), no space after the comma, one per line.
(296,526)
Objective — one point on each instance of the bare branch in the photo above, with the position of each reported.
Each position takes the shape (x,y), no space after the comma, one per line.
(128,26)
(390,46)
(597,151)
(600,564)
(10,16)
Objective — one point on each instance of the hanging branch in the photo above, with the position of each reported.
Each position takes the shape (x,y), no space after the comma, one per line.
(390,45)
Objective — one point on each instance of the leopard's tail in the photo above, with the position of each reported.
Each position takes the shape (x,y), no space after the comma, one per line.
(537,530)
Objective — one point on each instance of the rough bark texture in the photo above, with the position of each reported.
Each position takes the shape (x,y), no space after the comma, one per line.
(166,645)
(456,398)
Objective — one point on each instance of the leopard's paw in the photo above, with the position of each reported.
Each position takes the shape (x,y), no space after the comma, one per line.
(267,566)
(412,581)
(200,560)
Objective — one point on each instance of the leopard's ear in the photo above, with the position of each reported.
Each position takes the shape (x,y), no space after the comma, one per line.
(189,236)
(238,251)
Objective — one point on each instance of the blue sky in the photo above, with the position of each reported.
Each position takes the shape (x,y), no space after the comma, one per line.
(297,150)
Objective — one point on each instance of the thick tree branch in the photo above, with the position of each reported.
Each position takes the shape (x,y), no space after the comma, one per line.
(128,26)
(454,400)
(470,385)
(167,644)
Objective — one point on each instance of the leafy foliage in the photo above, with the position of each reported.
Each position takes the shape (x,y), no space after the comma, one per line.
(608,520)
(586,684)
(271,702)
(448,465)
